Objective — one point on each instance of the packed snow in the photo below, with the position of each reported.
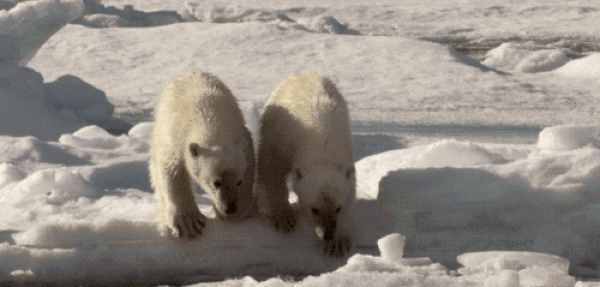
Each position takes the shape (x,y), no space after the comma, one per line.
(475,133)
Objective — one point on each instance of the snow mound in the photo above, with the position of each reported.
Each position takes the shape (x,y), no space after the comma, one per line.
(25,108)
(568,137)
(26,27)
(142,130)
(512,57)
(457,154)
(585,68)
(70,93)
(30,107)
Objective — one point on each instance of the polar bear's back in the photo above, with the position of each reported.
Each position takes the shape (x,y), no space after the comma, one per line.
(309,111)
(197,105)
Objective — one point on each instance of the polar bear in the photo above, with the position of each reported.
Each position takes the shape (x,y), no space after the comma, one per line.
(305,137)
(199,139)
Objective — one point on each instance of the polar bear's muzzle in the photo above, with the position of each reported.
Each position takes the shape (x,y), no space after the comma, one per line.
(326,230)
(226,202)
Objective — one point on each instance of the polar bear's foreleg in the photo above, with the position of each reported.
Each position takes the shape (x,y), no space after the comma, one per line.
(272,189)
(179,214)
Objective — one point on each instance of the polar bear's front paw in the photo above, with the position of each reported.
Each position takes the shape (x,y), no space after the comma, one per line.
(186,224)
(338,247)
(284,220)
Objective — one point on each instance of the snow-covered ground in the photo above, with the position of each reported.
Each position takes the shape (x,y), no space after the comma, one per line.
(476,129)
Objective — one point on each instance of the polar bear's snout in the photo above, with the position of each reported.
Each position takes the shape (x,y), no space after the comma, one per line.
(227,193)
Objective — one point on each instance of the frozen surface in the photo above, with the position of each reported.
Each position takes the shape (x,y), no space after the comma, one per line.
(475,131)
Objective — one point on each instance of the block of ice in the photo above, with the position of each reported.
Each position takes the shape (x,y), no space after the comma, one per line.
(513,260)
(569,137)
(391,247)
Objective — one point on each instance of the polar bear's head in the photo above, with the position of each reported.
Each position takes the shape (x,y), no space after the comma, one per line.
(325,193)
(220,172)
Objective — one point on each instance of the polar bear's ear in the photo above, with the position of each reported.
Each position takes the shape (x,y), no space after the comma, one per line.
(350,172)
(298,174)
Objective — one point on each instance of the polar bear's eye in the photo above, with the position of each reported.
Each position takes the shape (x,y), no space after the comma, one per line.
(239,182)
(337,210)
(217,183)
(315,211)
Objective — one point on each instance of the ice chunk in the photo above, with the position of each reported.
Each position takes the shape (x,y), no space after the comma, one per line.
(367,263)
(544,276)
(513,260)
(26,27)
(453,153)
(568,137)
(584,68)
(506,278)
(506,56)
(542,61)
(391,247)
(103,21)
(587,284)
(512,57)
(142,130)
(325,24)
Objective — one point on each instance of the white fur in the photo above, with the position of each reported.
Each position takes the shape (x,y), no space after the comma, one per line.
(305,131)
(197,108)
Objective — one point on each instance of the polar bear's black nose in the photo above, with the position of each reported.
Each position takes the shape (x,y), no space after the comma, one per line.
(231,208)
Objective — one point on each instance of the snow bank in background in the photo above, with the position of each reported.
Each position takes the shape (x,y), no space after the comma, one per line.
(585,68)
(26,27)
(512,57)
(568,137)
